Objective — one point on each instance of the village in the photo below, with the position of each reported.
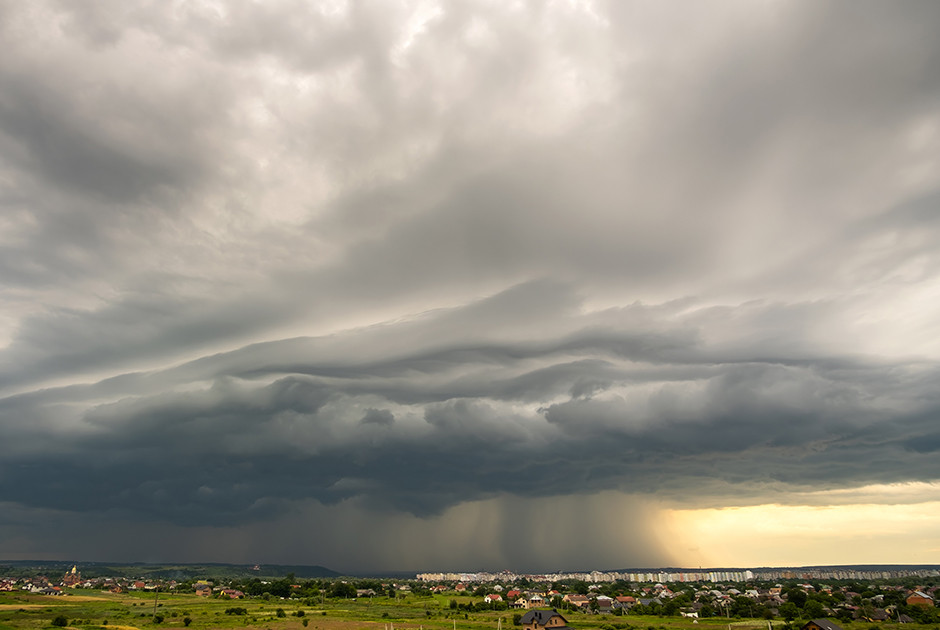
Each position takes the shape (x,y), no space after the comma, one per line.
(902,599)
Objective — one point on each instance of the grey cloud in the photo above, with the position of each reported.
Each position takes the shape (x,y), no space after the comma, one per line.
(677,424)
(406,263)
(381,417)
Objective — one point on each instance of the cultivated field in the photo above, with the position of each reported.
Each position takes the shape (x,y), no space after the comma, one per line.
(90,610)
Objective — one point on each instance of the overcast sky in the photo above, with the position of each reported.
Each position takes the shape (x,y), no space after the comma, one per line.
(470,285)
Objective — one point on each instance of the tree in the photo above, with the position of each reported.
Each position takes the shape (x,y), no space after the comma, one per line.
(813,609)
(343,589)
(60,621)
(187,621)
(789,611)
(797,596)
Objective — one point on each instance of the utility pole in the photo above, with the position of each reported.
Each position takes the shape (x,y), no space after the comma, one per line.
(156,596)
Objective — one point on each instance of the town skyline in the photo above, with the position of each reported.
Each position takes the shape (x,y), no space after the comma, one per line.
(594,576)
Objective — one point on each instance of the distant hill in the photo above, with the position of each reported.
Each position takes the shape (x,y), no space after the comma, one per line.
(169,571)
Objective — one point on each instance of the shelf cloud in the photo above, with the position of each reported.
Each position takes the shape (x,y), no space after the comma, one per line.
(283,277)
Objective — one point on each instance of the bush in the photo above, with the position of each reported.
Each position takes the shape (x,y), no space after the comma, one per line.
(236,611)
(158,618)
(280,612)
(299,613)
(305,622)
(187,621)
(60,621)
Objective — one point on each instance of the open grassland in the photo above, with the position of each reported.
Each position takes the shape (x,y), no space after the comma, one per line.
(91,610)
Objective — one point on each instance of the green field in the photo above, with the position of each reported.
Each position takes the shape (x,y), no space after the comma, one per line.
(94,610)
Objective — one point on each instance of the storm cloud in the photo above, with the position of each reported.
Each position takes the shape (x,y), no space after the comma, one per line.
(405,271)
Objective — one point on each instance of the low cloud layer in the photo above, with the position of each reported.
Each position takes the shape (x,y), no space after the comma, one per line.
(354,269)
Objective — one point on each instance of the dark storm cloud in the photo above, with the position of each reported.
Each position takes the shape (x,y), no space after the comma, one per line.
(437,426)
(265,264)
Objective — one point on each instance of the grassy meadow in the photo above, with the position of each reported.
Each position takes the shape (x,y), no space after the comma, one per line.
(93,610)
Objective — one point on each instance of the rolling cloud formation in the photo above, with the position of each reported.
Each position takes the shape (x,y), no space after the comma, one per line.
(319,272)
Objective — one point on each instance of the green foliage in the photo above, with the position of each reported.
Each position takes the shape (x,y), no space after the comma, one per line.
(280,612)
(343,589)
(60,621)
(797,596)
(158,618)
(187,621)
(789,611)
(236,610)
(812,609)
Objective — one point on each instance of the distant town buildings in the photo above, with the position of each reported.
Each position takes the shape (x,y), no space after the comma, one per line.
(72,578)
(667,576)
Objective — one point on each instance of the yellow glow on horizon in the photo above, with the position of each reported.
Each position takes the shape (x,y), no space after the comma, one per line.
(794,535)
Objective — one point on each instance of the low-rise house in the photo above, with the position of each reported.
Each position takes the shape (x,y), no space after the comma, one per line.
(919,598)
(820,624)
(542,619)
(493,597)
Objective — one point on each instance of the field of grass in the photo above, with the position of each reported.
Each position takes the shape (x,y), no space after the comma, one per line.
(92,610)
